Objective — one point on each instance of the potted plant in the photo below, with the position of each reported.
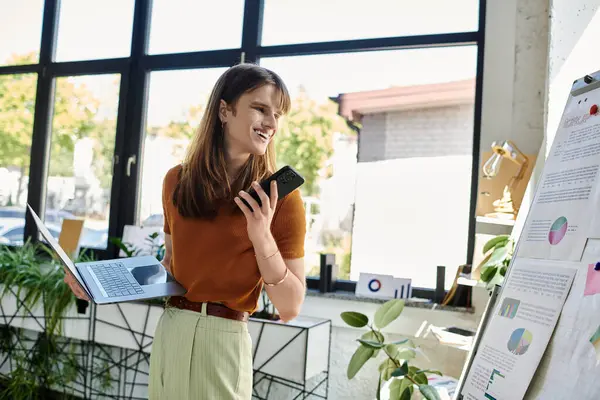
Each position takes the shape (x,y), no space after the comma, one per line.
(498,253)
(397,355)
(36,299)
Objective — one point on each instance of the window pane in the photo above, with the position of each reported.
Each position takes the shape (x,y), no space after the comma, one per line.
(17,104)
(383,214)
(176,102)
(82,150)
(20,31)
(290,21)
(93,30)
(189,25)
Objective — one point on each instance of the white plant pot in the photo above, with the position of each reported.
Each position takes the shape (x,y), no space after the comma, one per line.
(297,350)
(16,314)
(127,325)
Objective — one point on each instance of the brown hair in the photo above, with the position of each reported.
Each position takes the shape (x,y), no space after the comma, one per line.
(203,181)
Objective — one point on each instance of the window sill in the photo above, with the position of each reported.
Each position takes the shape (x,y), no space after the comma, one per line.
(423,304)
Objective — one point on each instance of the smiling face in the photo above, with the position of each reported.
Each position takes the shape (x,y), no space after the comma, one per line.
(251,123)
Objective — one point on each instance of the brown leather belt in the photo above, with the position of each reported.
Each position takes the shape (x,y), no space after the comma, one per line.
(215,309)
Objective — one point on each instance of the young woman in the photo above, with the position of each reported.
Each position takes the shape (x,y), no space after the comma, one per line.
(222,251)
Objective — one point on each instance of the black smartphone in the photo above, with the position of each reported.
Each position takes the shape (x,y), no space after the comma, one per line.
(288,179)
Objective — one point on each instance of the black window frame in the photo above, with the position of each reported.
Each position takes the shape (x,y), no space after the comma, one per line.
(134,72)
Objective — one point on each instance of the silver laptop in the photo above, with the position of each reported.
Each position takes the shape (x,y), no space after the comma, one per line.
(118,280)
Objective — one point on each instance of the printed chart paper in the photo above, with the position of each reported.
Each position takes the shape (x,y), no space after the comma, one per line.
(519,330)
(559,222)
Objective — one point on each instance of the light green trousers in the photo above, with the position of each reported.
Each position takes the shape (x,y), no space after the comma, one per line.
(200,357)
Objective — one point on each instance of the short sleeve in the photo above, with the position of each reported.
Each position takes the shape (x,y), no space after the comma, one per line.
(289,226)
(166,196)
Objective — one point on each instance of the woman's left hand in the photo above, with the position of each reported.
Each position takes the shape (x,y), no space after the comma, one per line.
(259,218)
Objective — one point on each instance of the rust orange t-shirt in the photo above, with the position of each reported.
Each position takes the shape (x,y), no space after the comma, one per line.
(215,260)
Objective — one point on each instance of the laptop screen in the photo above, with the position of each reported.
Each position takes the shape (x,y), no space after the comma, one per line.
(57,249)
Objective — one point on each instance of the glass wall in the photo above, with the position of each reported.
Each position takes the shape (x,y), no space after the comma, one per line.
(290,21)
(179,26)
(382,131)
(17,105)
(81,155)
(373,192)
(92,30)
(24,17)
(176,102)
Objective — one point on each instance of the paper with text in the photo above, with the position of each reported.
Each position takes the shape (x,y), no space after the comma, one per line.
(559,221)
(519,330)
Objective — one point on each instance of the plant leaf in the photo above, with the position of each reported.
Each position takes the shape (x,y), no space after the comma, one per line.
(391,350)
(406,354)
(355,319)
(399,342)
(493,242)
(387,312)
(488,273)
(421,379)
(498,256)
(373,336)
(395,387)
(429,371)
(406,392)
(370,344)
(403,370)
(429,392)
(386,368)
(359,358)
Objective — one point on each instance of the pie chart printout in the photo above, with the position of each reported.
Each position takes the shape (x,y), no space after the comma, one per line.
(558,231)
(519,341)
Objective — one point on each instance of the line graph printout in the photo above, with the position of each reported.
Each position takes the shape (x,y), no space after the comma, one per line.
(519,329)
(560,222)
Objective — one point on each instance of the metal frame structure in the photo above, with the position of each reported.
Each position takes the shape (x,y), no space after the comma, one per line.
(125,365)
(134,71)
(301,390)
(94,359)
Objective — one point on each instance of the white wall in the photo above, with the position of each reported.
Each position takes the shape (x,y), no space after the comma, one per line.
(515,75)
(574,29)
(573,52)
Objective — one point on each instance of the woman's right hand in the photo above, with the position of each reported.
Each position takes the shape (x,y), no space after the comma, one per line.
(74,286)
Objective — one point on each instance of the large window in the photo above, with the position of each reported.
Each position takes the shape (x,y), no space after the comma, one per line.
(381,127)
(81,154)
(17,103)
(180,26)
(291,21)
(91,30)
(176,102)
(373,196)
(20,31)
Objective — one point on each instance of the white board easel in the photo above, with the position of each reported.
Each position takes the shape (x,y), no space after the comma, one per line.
(569,367)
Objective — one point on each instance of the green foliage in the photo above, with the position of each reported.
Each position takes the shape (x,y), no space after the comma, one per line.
(355,319)
(157,249)
(305,138)
(498,253)
(31,274)
(75,111)
(387,313)
(398,354)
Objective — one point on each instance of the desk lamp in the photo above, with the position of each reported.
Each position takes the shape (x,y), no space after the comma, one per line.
(504,207)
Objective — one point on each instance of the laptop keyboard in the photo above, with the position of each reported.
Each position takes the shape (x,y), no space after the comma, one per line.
(116,280)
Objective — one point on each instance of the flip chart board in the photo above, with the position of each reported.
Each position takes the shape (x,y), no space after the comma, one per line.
(541,337)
